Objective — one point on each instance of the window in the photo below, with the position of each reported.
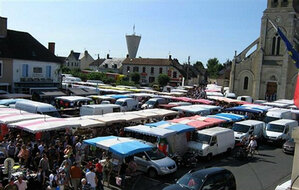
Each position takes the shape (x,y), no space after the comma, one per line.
(135,69)
(106,66)
(174,74)
(161,70)
(68,64)
(25,69)
(72,64)
(128,69)
(37,70)
(276,45)
(143,69)
(152,70)
(1,69)
(114,66)
(48,71)
(245,85)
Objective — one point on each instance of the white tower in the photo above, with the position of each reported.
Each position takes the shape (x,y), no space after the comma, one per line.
(133,43)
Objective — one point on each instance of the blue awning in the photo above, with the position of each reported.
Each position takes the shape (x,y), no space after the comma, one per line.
(245,109)
(157,123)
(179,128)
(121,146)
(233,117)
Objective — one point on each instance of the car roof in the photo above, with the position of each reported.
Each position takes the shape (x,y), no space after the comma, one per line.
(213,131)
(208,171)
(250,122)
(124,99)
(283,121)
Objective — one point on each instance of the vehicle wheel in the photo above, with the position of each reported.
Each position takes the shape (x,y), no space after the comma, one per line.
(209,157)
(152,173)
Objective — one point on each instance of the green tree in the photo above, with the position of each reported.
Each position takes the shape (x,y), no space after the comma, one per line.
(213,67)
(163,79)
(199,65)
(135,77)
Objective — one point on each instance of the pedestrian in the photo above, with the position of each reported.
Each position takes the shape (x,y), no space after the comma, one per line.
(11,185)
(91,178)
(44,163)
(11,150)
(23,155)
(122,173)
(76,175)
(85,185)
(22,184)
(107,169)
(99,174)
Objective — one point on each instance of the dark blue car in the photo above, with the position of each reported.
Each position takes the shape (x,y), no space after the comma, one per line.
(205,179)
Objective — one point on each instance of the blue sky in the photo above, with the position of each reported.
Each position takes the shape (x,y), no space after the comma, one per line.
(201,29)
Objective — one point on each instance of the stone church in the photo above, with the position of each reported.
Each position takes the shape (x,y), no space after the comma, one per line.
(268,72)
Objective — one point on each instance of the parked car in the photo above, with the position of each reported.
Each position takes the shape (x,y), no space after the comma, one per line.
(37,107)
(155,163)
(127,104)
(245,99)
(205,179)
(99,109)
(289,146)
(277,113)
(280,130)
(248,127)
(212,141)
(153,103)
(230,95)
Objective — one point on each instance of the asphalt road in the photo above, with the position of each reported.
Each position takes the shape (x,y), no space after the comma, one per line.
(262,172)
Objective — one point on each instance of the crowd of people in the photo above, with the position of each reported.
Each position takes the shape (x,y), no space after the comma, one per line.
(65,163)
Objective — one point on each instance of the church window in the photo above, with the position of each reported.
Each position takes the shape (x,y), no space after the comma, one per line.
(245,85)
(284,3)
(274,3)
(276,45)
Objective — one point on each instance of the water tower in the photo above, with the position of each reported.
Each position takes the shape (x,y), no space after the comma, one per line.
(133,43)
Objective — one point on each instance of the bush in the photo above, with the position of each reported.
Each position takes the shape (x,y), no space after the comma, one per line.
(135,77)
(163,79)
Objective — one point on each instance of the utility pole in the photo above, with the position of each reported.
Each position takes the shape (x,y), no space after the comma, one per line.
(188,65)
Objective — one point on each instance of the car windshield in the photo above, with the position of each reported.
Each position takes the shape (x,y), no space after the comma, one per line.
(241,128)
(52,114)
(269,119)
(150,102)
(275,128)
(119,103)
(201,138)
(155,154)
(190,182)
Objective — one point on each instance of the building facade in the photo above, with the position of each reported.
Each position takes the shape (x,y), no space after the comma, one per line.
(150,69)
(268,72)
(77,60)
(25,63)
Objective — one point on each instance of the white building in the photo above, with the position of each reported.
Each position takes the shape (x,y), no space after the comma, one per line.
(25,63)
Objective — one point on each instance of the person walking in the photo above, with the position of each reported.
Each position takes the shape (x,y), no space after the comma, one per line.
(44,164)
(76,176)
(91,178)
(22,184)
(107,168)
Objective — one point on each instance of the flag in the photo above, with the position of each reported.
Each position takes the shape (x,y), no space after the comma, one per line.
(291,50)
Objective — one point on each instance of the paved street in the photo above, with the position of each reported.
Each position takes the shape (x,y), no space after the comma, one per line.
(263,172)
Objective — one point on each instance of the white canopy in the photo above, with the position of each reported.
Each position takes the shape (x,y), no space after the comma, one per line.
(107,120)
(151,131)
(85,122)
(164,112)
(45,124)
(128,116)
(16,117)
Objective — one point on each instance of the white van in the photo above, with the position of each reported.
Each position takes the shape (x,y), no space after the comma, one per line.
(248,127)
(99,109)
(245,99)
(212,141)
(127,104)
(37,107)
(280,130)
(277,113)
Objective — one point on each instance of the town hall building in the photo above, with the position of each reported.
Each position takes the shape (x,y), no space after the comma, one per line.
(269,72)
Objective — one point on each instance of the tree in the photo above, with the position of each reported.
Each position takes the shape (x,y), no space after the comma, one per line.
(163,79)
(135,77)
(213,67)
(199,65)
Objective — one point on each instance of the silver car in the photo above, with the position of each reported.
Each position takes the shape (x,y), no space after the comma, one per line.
(155,163)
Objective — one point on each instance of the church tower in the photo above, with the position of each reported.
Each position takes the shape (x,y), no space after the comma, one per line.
(268,72)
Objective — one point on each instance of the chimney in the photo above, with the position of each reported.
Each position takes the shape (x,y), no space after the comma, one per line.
(127,56)
(51,47)
(108,56)
(3,27)
(170,57)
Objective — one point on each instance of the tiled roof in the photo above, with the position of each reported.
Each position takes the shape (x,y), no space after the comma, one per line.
(21,45)
(97,62)
(147,61)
